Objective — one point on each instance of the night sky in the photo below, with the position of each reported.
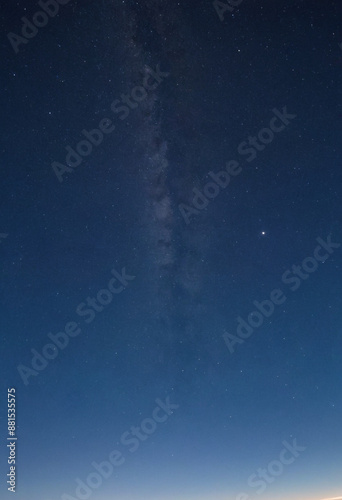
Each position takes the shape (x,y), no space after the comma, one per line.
(171,249)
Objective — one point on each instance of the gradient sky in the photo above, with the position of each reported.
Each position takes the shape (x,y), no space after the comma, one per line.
(186,91)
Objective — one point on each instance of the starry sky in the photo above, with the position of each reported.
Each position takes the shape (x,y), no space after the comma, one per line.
(170,244)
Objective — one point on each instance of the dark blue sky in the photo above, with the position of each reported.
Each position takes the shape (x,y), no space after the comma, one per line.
(171,249)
